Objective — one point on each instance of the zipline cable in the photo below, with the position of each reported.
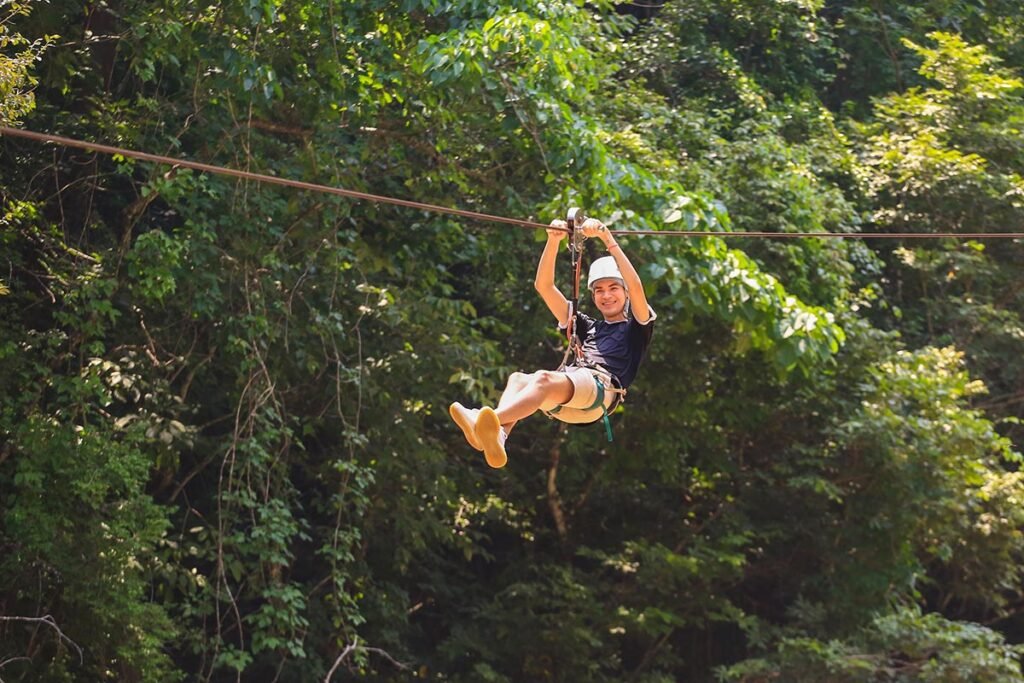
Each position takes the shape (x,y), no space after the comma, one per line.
(262,178)
(475,215)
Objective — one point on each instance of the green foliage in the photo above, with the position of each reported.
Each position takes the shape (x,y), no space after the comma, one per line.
(737,53)
(927,151)
(905,646)
(912,433)
(84,536)
(17,56)
(948,157)
(226,453)
(870,35)
(16,83)
(82,533)
(724,284)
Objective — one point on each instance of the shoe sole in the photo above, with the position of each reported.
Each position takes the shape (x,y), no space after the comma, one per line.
(488,431)
(460,418)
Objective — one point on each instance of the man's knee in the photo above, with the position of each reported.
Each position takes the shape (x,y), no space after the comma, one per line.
(517,379)
(554,384)
(547,378)
(555,387)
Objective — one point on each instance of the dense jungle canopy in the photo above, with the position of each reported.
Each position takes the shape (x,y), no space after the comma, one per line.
(224,447)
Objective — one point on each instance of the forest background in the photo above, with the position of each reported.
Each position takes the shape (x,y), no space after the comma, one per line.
(225,453)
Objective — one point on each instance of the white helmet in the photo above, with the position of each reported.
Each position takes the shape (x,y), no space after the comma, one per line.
(602,268)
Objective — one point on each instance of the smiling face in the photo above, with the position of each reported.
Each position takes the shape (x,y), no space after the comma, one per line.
(610,298)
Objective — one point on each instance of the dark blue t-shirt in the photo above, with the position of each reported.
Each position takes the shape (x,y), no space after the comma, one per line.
(618,347)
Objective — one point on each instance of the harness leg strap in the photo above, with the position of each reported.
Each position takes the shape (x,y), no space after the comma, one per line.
(607,424)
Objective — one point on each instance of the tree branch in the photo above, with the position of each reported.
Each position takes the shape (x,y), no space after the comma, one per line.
(13,659)
(649,655)
(554,499)
(356,647)
(48,621)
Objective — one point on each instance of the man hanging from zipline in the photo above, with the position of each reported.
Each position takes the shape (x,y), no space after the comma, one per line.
(607,352)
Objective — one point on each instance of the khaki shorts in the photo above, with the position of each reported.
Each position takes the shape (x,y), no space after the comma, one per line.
(585,407)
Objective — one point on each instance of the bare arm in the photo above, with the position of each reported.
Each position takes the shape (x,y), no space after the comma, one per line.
(631,279)
(544,282)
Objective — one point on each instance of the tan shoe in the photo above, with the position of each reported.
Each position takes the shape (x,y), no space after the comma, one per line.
(465,418)
(490,435)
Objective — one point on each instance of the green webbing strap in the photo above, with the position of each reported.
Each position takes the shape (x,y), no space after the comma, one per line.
(604,411)
(599,401)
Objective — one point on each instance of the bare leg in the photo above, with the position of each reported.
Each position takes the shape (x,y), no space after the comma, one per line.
(531,392)
(516,382)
